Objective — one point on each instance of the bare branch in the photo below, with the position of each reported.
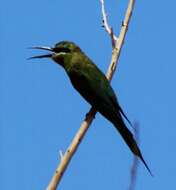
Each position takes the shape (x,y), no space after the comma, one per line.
(134,167)
(91,114)
(108,29)
(120,41)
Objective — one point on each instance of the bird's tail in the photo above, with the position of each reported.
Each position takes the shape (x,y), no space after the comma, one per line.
(130,141)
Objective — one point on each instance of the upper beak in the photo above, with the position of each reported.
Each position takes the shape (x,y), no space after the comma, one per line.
(42,56)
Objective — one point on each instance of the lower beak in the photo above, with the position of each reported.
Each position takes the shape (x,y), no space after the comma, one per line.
(42,56)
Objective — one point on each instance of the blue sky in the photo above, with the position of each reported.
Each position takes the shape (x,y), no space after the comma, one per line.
(40,111)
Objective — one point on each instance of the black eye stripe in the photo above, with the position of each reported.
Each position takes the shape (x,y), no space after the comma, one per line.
(61,49)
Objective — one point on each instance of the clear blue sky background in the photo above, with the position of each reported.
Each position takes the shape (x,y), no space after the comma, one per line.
(40,111)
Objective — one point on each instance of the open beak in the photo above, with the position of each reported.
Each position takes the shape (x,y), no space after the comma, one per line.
(42,56)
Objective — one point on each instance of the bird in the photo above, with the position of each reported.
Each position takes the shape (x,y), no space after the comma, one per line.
(93,86)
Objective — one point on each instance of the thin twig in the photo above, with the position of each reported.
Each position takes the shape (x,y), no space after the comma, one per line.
(105,24)
(61,154)
(134,167)
(91,114)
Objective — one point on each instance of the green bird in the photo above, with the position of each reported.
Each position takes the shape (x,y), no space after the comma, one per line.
(94,87)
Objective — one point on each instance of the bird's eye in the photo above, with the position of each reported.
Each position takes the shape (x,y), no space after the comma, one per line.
(61,49)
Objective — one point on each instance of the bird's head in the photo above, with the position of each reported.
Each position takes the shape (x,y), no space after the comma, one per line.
(61,53)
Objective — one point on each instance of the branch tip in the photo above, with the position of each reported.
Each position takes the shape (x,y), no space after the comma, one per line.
(61,155)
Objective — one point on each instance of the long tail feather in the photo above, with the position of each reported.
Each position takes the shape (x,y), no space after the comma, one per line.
(130,141)
(124,115)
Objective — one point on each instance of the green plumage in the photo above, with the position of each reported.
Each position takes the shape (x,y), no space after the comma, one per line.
(93,85)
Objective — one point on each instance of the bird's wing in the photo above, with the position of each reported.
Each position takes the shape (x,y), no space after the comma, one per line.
(93,85)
